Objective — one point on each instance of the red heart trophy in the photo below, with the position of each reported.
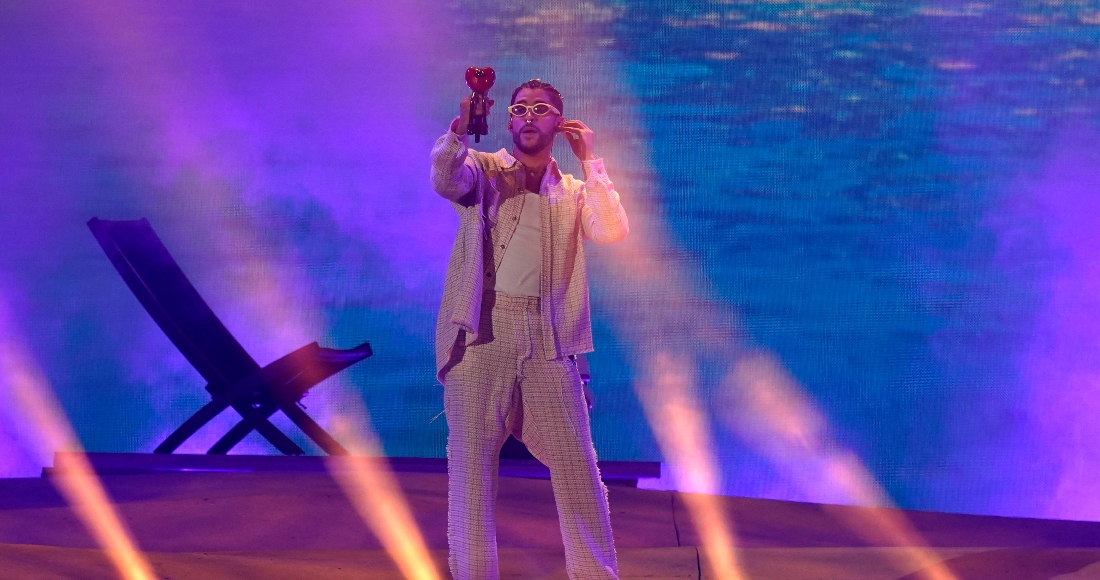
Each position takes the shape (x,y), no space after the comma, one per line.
(480,80)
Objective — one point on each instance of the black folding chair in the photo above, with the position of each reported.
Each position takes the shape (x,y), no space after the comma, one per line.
(233,377)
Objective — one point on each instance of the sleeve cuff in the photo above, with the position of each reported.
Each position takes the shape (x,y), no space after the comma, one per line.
(593,168)
(455,137)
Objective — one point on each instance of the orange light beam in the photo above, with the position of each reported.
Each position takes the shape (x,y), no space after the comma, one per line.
(276,309)
(369,483)
(76,481)
(765,405)
(682,432)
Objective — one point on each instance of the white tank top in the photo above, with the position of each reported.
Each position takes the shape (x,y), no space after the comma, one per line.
(518,274)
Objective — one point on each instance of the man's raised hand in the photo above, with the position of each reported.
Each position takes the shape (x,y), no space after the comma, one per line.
(462,121)
(580,138)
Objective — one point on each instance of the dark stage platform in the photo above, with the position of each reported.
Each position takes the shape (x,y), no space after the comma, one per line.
(275,518)
(613,472)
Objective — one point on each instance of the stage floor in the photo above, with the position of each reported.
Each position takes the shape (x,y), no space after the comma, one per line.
(276,524)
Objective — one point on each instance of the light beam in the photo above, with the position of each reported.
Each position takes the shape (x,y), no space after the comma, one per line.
(765,405)
(75,479)
(372,488)
(683,433)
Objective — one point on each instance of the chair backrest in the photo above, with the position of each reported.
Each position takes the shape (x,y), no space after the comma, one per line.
(166,293)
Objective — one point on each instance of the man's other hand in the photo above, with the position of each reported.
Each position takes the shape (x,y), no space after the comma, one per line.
(580,138)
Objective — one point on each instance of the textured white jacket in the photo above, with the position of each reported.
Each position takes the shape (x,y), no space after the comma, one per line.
(486,191)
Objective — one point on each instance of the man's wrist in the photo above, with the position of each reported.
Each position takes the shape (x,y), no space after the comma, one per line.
(462,138)
(458,127)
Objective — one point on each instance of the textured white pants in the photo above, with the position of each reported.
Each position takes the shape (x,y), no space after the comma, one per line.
(498,386)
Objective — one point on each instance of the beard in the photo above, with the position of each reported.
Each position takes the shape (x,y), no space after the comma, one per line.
(544,141)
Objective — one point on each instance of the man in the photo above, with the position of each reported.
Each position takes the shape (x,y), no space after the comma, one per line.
(514,310)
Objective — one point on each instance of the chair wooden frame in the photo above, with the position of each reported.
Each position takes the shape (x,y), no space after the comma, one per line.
(233,378)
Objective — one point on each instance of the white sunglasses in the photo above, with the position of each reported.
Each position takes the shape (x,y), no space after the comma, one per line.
(539,109)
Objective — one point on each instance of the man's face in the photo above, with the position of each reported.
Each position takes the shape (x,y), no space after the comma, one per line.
(531,133)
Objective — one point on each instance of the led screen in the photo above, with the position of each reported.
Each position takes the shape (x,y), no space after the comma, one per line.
(892,203)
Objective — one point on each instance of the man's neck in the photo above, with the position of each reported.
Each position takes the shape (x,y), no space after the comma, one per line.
(536,161)
(534,167)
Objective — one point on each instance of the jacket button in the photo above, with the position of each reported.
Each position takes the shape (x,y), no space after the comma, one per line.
(488,273)
(502,246)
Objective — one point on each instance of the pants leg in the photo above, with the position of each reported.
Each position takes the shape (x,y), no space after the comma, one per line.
(556,430)
(478,397)
(500,384)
